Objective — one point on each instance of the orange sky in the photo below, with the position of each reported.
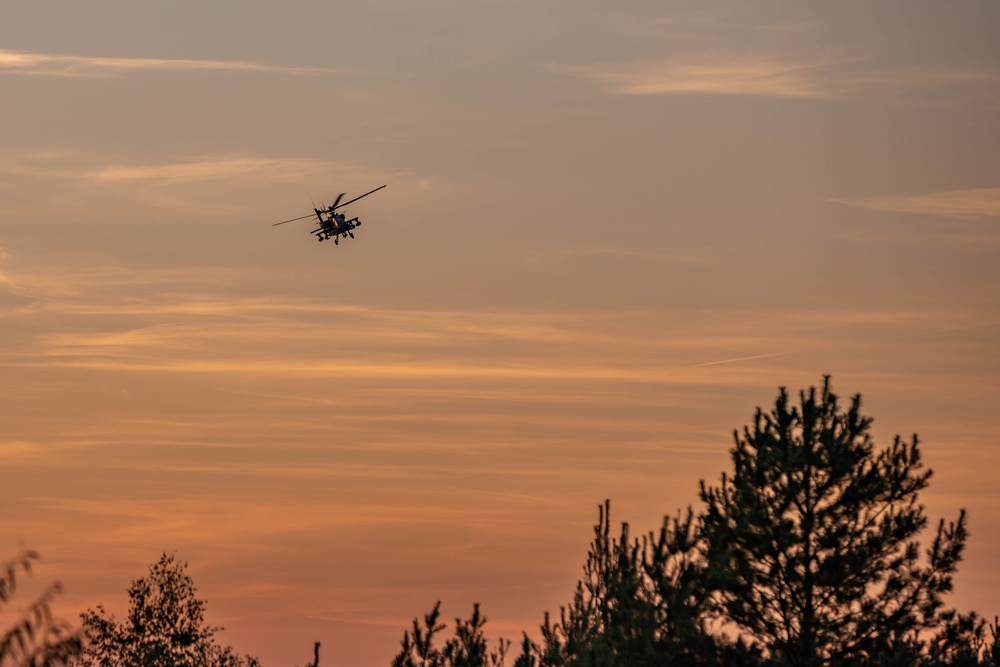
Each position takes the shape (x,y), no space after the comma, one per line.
(609,234)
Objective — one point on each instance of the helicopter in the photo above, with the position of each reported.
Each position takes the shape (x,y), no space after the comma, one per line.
(331,223)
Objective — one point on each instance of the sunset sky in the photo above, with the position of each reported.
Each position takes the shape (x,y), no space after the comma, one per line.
(610,231)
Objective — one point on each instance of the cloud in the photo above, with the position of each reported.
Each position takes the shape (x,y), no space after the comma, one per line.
(651,374)
(194,169)
(775,76)
(17,449)
(977,204)
(95,187)
(139,324)
(44,64)
(210,168)
(761,77)
(11,296)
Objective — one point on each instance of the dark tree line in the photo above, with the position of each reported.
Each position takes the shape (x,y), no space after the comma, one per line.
(805,555)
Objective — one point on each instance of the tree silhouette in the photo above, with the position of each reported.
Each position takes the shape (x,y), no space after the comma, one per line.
(807,553)
(812,542)
(468,648)
(165,626)
(36,639)
(641,603)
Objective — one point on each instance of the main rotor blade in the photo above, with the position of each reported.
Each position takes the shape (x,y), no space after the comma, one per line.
(332,208)
(357,198)
(301,217)
(337,201)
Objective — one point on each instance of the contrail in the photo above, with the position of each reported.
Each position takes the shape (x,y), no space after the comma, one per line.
(756,356)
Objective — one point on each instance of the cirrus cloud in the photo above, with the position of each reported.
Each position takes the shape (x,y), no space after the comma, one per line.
(781,76)
(974,204)
(26,63)
(762,76)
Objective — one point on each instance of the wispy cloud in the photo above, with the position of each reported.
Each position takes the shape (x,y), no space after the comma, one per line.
(775,76)
(17,448)
(193,169)
(977,204)
(166,331)
(10,295)
(219,184)
(47,64)
(761,76)
(209,168)
(653,374)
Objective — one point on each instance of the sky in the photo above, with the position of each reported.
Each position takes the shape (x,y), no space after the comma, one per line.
(610,232)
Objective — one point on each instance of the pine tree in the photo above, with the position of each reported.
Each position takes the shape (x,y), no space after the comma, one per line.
(612,617)
(812,541)
(641,603)
(468,647)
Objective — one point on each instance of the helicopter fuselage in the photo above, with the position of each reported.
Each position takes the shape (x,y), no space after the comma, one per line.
(334,225)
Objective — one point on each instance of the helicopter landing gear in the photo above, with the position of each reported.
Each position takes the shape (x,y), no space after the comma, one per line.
(351,234)
(336,240)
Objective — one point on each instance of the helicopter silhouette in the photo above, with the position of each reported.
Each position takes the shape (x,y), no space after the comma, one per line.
(332,224)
